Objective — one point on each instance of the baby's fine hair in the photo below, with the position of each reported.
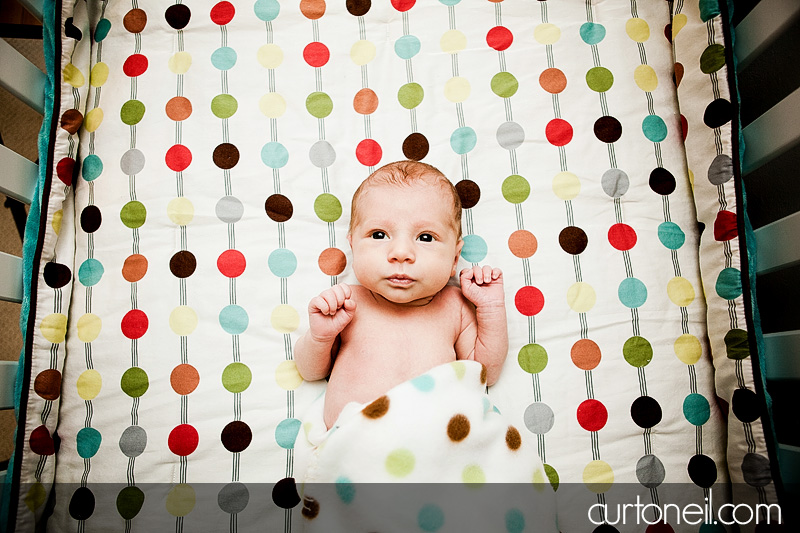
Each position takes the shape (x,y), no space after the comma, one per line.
(408,172)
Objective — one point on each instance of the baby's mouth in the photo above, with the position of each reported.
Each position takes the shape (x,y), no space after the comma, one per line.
(400,279)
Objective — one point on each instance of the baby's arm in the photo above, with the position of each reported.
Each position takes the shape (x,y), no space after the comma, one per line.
(483,286)
(328,314)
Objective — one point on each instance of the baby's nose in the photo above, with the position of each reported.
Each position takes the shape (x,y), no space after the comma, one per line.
(402,250)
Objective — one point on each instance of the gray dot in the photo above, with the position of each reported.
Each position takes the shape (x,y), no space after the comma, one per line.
(322,154)
(755,470)
(510,135)
(233,498)
(615,182)
(650,471)
(133,441)
(229,209)
(720,170)
(132,162)
(539,418)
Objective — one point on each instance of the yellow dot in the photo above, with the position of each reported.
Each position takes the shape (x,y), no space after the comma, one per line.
(539,479)
(181,500)
(459,369)
(89,384)
(180,62)
(457,89)
(473,474)
(73,76)
(581,297)
(93,119)
(646,78)
(547,33)
(35,496)
(362,52)
(183,320)
(89,327)
(678,22)
(99,75)
(598,476)
(566,185)
(285,319)
(453,41)
(56,222)
(54,328)
(688,349)
(680,291)
(637,29)
(287,376)
(270,56)
(691,178)
(180,211)
(272,105)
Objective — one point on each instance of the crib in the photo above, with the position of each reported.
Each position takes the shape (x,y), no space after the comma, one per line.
(196,165)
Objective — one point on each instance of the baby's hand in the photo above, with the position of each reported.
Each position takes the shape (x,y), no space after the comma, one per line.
(330,312)
(483,286)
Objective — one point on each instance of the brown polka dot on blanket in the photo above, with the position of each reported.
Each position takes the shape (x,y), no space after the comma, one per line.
(377,409)
(483,374)
(310,508)
(513,438)
(458,428)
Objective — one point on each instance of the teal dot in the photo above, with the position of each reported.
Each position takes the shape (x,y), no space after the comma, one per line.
(92,167)
(696,409)
(345,489)
(430,518)
(592,33)
(654,128)
(102,29)
(267,10)
(463,140)
(286,433)
(88,442)
(515,521)
(223,58)
(224,106)
(449,3)
(407,46)
(708,9)
(474,249)
(729,284)
(282,262)
(671,235)
(90,272)
(274,155)
(233,319)
(425,383)
(632,293)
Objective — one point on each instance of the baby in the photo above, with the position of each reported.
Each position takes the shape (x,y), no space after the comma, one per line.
(403,319)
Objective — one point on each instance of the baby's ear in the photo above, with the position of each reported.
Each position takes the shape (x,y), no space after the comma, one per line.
(350,239)
(459,246)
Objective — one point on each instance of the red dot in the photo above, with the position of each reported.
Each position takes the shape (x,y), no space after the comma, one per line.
(178,158)
(41,442)
(529,300)
(65,170)
(231,263)
(403,5)
(316,54)
(134,324)
(368,152)
(684,127)
(592,415)
(725,226)
(135,65)
(558,132)
(183,440)
(662,527)
(222,13)
(622,237)
(499,38)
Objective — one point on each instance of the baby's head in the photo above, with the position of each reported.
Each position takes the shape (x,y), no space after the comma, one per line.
(405,231)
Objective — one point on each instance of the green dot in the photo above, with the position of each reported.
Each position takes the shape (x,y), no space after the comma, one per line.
(504,84)
(327,207)
(133,214)
(637,351)
(410,95)
(599,79)
(236,377)
(134,382)
(132,112)
(736,344)
(552,476)
(129,502)
(319,104)
(516,189)
(712,59)
(532,358)
(473,474)
(400,463)
(224,106)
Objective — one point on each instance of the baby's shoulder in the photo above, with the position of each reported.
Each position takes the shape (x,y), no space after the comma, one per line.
(452,295)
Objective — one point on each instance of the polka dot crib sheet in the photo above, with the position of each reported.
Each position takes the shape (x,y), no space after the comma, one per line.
(203,159)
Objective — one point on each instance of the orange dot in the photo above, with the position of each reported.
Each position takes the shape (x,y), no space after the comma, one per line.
(178,108)
(312,9)
(365,101)
(134,268)
(332,261)
(585,354)
(184,379)
(522,243)
(553,80)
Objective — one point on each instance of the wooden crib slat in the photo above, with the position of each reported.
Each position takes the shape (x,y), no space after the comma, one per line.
(34,7)
(18,176)
(781,351)
(21,77)
(772,133)
(777,244)
(761,26)
(10,278)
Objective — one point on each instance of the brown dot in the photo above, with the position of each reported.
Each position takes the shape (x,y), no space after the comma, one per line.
(182,264)
(358,8)
(377,409)
(332,261)
(226,156)
(71,121)
(458,428)
(513,438)
(415,146)
(483,374)
(573,240)
(135,20)
(310,508)
(607,129)
(178,16)
(279,208)
(236,436)
(469,193)
(678,77)
(48,384)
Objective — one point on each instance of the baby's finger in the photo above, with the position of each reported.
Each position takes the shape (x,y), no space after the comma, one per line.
(339,293)
(466,274)
(318,304)
(478,274)
(497,273)
(487,274)
(330,299)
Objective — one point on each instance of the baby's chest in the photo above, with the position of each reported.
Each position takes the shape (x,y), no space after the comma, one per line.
(421,332)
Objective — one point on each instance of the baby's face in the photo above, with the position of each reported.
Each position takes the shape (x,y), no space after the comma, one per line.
(404,245)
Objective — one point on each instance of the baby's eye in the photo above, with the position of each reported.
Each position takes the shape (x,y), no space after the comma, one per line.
(426,237)
(378,235)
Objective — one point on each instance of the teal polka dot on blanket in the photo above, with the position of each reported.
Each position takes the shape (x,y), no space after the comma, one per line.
(515,521)
(425,382)
(430,518)
(345,489)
